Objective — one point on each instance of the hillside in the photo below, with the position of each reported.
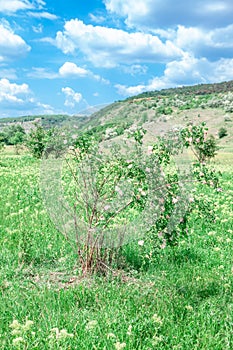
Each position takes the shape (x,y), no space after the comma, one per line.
(160,111)
(156,111)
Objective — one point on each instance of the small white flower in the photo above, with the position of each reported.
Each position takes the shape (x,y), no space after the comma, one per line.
(174,200)
(189,307)
(129,332)
(149,150)
(91,325)
(15,324)
(64,334)
(141,243)
(27,325)
(107,207)
(119,346)
(17,341)
(111,335)
(157,319)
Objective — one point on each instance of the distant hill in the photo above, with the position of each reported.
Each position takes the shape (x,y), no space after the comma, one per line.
(156,111)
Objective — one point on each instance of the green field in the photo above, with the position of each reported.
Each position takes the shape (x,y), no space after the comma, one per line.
(183,300)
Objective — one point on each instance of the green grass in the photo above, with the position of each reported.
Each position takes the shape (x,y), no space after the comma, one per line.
(182,301)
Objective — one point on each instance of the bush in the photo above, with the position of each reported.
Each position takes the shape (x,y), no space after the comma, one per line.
(36,141)
(13,135)
(41,140)
(127,193)
(222,133)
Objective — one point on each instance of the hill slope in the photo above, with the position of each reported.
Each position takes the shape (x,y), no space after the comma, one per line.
(156,111)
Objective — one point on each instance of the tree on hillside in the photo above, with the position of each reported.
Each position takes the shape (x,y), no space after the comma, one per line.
(36,141)
(13,135)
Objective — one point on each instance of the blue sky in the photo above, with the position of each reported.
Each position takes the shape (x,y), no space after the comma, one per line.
(64,56)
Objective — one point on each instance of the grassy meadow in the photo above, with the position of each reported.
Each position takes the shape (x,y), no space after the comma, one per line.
(183,300)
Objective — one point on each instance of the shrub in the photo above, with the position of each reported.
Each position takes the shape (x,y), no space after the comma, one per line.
(125,193)
(222,132)
(36,141)
(13,135)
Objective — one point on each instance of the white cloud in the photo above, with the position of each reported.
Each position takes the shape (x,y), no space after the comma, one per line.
(42,14)
(212,44)
(15,5)
(130,90)
(96,18)
(188,71)
(12,45)
(8,73)
(72,97)
(134,69)
(108,47)
(42,73)
(70,69)
(11,93)
(67,70)
(44,108)
(17,99)
(37,29)
(154,14)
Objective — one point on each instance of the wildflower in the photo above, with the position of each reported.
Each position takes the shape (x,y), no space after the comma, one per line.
(211,233)
(217,249)
(111,335)
(189,139)
(119,346)
(189,307)
(17,341)
(117,189)
(157,319)
(163,245)
(156,340)
(16,332)
(141,243)
(107,207)
(150,150)
(27,325)
(15,324)
(91,325)
(143,193)
(129,332)
(64,334)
